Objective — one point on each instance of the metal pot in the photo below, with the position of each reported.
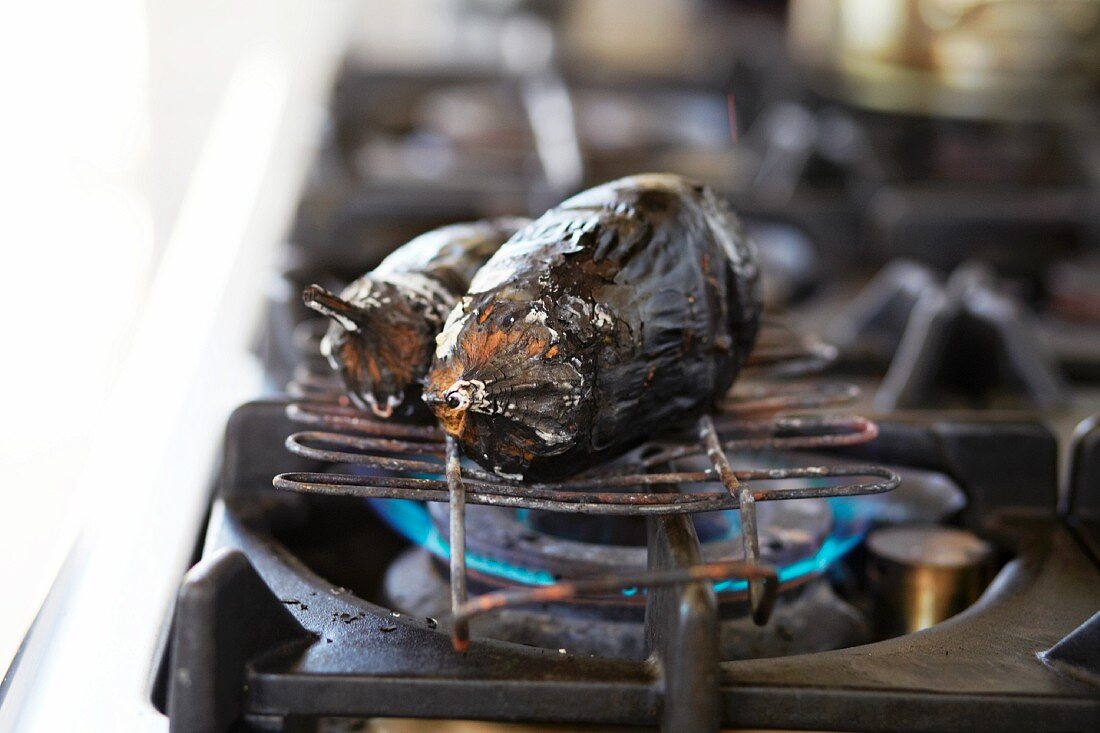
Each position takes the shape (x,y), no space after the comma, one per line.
(1016,59)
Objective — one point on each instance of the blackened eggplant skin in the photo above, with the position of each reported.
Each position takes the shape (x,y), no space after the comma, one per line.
(624,311)
(383,325)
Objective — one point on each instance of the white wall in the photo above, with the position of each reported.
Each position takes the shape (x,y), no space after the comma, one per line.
(104,110)
(76,251)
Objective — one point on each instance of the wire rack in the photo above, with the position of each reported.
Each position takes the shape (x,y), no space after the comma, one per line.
(418,462)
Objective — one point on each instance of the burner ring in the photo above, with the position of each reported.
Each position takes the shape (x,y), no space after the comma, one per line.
(793,531)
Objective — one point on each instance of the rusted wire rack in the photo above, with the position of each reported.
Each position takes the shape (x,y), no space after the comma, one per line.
(417,462)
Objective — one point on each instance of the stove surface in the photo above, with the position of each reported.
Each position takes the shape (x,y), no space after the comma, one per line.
(302,645)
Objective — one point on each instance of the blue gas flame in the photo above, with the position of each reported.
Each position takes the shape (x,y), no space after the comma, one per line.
(411,520)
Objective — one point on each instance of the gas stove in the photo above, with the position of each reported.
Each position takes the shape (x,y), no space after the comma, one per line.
(309,605)
(353,577)
(873,534)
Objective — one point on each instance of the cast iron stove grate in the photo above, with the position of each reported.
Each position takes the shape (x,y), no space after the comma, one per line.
(259,637)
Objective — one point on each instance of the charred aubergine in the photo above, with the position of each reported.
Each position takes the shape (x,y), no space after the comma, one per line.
(621,312)
(384,324)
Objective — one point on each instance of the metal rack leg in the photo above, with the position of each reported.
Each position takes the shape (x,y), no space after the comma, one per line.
(681,624)
(457,497)
(750,535)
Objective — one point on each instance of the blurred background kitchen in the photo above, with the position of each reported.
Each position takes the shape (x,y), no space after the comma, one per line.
(913,170)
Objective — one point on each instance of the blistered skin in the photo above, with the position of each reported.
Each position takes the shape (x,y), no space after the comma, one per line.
(625,310)
(383,325)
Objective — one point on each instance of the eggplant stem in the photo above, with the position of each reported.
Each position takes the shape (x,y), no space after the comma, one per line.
(317,298)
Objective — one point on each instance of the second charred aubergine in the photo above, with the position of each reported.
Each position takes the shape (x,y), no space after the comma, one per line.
(384,324)
(621,312)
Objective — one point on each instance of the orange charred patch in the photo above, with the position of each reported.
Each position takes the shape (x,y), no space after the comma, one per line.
(535,347)
(441,378)
(480,346)
(453,422)
(392,355)
(371,365)
(517,447)
(439,381)
(484,316)
(477,348)
(351,357)
(405,352)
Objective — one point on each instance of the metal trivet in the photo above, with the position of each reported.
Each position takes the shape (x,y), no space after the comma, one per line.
(416,462)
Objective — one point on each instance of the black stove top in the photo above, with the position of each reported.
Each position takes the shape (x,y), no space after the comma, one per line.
(289,616)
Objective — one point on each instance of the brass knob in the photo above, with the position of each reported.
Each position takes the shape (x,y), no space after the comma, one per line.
(922,575)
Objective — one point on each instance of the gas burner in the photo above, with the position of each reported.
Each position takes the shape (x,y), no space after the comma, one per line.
(970,341)
(808,617)
(556,547)
(269,611)
(505,547)
(967,342)
(870,187)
